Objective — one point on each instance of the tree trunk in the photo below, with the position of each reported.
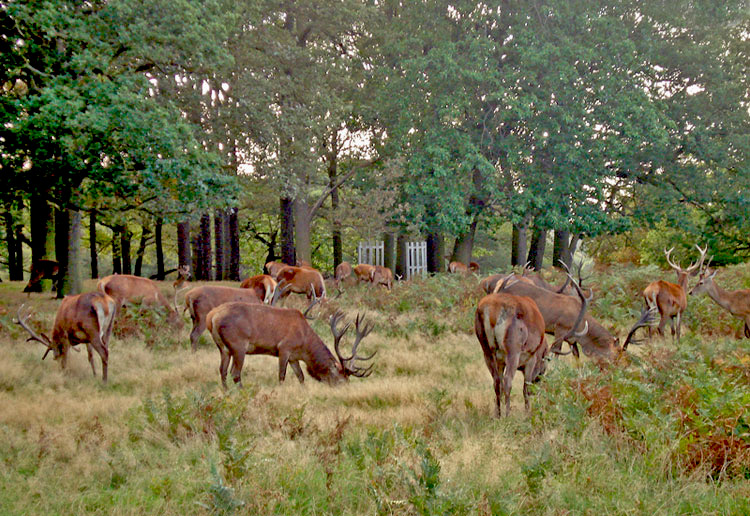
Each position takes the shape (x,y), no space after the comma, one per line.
(159,243)
(183,245)
(536,249)
(71,275)
(219,244)
(336,241)
(141,252)
(203,249)
(116,251)
(572,248)
(401,241)
(561,244)
(15,252)
(234,245)
(435,253)
(41,220)
(464,245)
(519,244)
(125,238)
(226,243)
(288,252)
(18,241)
(302,223)
(389,250)
(93,254)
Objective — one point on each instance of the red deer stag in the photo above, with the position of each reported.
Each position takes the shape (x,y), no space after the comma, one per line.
(263,285)
(240,329)
(40,270)
(301,280)
(343,271)
(460,267)
(363,271)
(380,275)
(201,300)
(183,277)
(81,319)
(736,302)
(510,330)
(125,288)
(274,268)
(670,298)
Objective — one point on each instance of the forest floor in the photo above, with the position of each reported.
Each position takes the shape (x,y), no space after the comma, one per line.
(663,431)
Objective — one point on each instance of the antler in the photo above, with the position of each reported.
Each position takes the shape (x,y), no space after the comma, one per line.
(281,289)
(22,321)
(361,331)
(315,301)
(699,263)
(648,317)
(506,282)
(670,262)
(572,332)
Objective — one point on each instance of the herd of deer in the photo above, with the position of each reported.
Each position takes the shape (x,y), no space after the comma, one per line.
(510,321)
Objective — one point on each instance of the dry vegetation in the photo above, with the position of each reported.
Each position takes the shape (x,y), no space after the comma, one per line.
(664,432)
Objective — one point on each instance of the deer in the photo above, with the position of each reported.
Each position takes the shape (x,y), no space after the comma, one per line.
(240,329)
(380,275)
(263,284)
(81,319)
(736,302)
(559,313)
(183,277)
(125,288)
(201,300)
(40,270)
(274,268)
(669,298)
(363,272)
(342,272)
(301,280)
(460,267)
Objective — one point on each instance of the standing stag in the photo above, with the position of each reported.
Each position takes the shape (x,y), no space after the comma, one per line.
(240,329)
(125,288)
(736,302)
(670,298)
(363,271)
(81,319)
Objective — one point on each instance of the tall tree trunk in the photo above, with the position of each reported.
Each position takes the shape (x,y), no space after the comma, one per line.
(203,267)
(464,245)
(159,243)
(561,244)
(15,251)
(336,240)
(41,220)
(572,248)
(401,251)
(435,252)
(518,246)
(93,254)
(288,252)
(219,244)
(302,223)
(389,250)
(536,249)
(116,251)
(234,245)
(18,241)
(195,243)
(125,239)
(226,243)
(141,252)
(183,245)
(71,275)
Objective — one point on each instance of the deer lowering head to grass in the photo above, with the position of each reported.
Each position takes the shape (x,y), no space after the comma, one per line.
(263,284)
(302,280)
(81,319)
(363,271)
(380,275)
(40,270)
(670,299)
(240,329)
(736,302)
(343,271)
(125,288)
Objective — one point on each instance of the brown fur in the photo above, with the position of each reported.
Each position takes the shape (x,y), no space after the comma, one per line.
(457,267)
(240,329)
(125,288)
(274,268)
(363,272)
(736,302)
(343,271)
(42,269)
(380,275)
(510,330)
(201,300)
(263,285)
(301,280)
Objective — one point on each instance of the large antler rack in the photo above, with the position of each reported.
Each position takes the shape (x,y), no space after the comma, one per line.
(22,320)
(585,300)
(361,331)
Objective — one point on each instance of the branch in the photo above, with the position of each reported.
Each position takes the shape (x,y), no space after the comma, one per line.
(338,183)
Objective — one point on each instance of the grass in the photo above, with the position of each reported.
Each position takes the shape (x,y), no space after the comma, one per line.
(664,432)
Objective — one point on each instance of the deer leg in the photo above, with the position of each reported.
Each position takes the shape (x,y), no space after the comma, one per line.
(225,358)
(678,325)
(284,353)
(510,370)
(198,328)
(298,371)
(91,358)
(238,359)
(496,369)
(747,328)
(662,323)
(100,348)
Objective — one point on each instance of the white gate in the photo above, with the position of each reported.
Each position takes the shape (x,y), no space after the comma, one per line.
(416,259)
(370,253)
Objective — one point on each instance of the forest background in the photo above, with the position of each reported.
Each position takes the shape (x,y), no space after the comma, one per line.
(224,134)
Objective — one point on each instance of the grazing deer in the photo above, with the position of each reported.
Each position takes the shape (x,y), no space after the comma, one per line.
(363,271)
(510,330)
(125,288)
(670,298)
(460,267)
(40,270)
(240,329)
(736,302)
(201,300)
(81,319)
(343,271)
(263,285)
(274,268)
(301,280)
(380,275)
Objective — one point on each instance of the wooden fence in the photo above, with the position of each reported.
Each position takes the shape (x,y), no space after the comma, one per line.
(416,256)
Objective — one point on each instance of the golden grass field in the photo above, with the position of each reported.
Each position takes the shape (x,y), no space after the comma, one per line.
(417,437)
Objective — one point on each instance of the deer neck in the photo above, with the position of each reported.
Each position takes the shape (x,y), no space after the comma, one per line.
(682,280)
(321,364)
(719,295)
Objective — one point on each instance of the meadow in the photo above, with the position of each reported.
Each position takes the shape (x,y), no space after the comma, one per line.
(665,430)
